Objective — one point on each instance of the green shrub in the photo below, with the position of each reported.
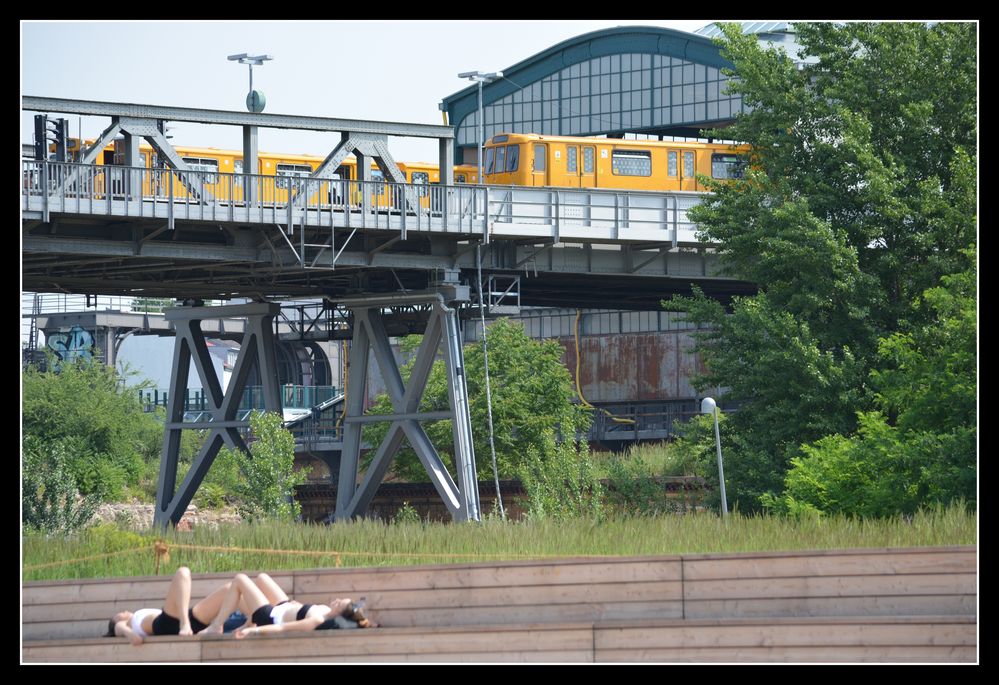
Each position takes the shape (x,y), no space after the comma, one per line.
(50,502)
(560,480)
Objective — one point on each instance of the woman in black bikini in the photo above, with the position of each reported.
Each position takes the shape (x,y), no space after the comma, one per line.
(271,611)
(175,618)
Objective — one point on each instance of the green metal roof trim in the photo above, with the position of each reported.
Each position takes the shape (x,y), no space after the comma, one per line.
(619,40)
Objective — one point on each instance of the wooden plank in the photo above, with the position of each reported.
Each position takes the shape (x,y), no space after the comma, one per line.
(138,591)
(499,656)
(409,641)
(596,611)
(922,654)
(801,635)
(352,581)
(832,586)
(846,551)
(934,605)
(813,565)
(115,651)
(511,595)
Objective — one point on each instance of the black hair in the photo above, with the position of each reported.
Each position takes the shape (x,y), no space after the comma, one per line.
(110,632)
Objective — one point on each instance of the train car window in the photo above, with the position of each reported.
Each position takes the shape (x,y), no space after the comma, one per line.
(377,175)
(237,166)
(489,161)
(688,164)
(423,179)
(727,166)
(501,139)
(512,157)
(588,159)
(143,158)
(671,162)
(500,159)
(631,163)
(539,158)
(203,164)
(571,164)
(461,178)
(286,171)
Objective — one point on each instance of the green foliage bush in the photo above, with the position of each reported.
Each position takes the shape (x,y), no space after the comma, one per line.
(50,501)
(560,480)
(262,483)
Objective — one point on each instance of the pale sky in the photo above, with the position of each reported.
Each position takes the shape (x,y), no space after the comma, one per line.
(383,70)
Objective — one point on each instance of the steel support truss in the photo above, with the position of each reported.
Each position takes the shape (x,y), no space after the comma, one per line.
(370,336)
(257,346)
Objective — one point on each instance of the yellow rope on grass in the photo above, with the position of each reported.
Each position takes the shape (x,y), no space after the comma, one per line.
(90,558)
(418,555)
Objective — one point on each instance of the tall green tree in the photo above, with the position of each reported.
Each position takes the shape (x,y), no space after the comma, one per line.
(532,394)
(918,448)
(861,195)
(97,420)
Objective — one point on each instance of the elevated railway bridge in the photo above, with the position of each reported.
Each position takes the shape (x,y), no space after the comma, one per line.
(377,249)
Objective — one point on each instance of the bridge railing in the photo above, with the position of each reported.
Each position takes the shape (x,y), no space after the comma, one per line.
(587,214)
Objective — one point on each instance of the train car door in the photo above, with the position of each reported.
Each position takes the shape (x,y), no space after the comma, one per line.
(688,170)
(539,165)
(588,167)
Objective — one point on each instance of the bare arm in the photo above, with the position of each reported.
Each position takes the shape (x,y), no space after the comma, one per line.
(306,624)
(121,628)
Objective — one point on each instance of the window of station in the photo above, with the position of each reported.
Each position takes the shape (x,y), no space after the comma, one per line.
(727,166)
(205,165)
(631,163)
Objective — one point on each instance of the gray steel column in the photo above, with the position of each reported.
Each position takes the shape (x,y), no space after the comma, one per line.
(357,361)
(250,163)
(446,159)
(132,159)
(461,428)
(369,332)
(256,347)
(364,174)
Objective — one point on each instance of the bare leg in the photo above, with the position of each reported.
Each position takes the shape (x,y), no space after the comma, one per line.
(242,588)
(270,588)
(208,608)
(179,598)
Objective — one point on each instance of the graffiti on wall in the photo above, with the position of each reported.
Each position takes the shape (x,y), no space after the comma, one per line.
(72,344)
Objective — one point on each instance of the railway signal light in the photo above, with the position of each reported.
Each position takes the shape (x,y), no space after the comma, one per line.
(55,131)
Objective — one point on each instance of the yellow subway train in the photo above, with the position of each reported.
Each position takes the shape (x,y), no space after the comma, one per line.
(528,159)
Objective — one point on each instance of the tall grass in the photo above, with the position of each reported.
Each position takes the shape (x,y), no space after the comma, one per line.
(372,543)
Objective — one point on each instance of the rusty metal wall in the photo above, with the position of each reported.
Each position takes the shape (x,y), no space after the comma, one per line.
(634,367)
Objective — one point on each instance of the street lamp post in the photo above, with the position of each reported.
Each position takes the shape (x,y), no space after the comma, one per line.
(708,406)
(255,100)
(480,78)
